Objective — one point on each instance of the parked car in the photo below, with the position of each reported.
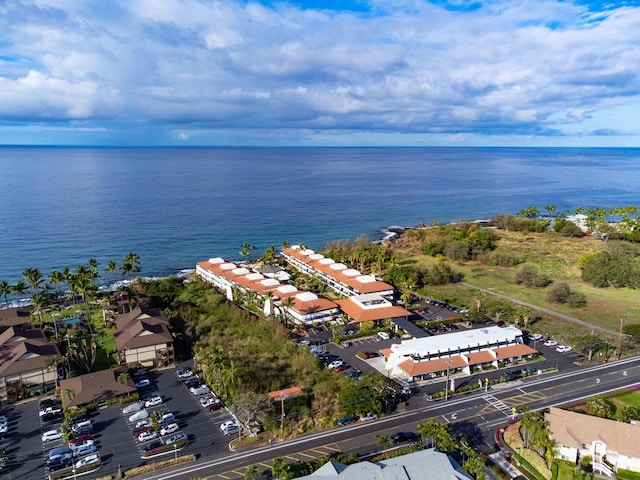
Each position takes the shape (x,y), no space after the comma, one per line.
(215,406)
(80,440)
(368,416)
(146,436)
(334,364)
(528,370)
(141,415)
(58,463)
(140,430)
(347,420)
(206,401)
(51,435)
(341,368)
(169,429)
(60,452)
(133,407)
(384,335)
(193,382)
(184,373)
(174,438)
(563,348)
(88,460)
(53,410)
(153,401)
(512,374)
(230,427)
(84,425)
(143,383)
(535,336)
(153,446)
(197,391)
(167,418)
(404,437)
(550,343)
(82,450)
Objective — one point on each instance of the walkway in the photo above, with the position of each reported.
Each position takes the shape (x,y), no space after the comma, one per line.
(545,310)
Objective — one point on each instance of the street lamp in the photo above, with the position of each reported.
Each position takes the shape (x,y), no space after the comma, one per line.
(175,452)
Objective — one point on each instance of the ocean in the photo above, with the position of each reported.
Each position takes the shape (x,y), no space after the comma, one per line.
(176,206)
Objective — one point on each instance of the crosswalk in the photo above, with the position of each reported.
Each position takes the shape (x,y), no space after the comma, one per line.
(498,404)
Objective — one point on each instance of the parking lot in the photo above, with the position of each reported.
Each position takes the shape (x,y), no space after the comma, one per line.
(112,435)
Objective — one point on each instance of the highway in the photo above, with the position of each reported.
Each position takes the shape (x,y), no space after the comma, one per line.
(475,415)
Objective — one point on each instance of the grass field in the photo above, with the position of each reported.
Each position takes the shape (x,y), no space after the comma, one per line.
(558,257)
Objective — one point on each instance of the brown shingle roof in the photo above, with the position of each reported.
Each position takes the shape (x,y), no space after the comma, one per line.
(94,387)
(24,351)
(573,429)
(142,327)
(11,317)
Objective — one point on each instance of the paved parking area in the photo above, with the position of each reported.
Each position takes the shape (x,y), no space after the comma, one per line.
(112,432)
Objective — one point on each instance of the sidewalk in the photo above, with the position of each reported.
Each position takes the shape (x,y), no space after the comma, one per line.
(505,466)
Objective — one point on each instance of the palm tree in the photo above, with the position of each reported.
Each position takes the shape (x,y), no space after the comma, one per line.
(280,468)
(269,256)
(252,473)
(34,278)
(230,377)
(286,306)
(56,279)
(385,442)
(39,302)
(5,290)
(246,249)
(111,267)
(130,264)
(19,288)
(123,378)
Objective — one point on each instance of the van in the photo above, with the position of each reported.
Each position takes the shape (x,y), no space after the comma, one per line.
(83,426)
(141,415)
(82,450)
(197,391)
(384,335)
(59,452)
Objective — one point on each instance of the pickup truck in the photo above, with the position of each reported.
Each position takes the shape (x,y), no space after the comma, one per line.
(50,411)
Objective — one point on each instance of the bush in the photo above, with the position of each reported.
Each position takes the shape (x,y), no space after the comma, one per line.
(616,267)
(502,258)
(562,293)
(530,276)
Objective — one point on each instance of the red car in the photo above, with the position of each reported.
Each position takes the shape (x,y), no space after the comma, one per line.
(215,406)
(141,430)
(80,440)
(341,368)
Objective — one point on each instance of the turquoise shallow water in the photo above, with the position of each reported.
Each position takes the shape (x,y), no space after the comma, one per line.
(174,207)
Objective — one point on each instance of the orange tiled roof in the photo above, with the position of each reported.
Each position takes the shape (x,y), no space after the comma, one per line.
(359,314)
(514,351)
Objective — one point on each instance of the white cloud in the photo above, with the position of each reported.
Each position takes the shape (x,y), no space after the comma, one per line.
(529,67)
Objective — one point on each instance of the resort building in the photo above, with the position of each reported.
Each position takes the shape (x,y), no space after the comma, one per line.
(27,360)
(458,352)
(337,276)
(95,387)
(424,464)
(302,308)
(372,307)
(578,435)
(143,337)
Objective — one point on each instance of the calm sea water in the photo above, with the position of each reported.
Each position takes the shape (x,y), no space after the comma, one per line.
(174,207)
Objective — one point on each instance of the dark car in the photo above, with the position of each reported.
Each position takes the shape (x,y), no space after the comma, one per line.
(153,446)
(193,382)
(528,371)
(404,437)
(50,416)
(58,463)
(347,420)
(512,374)
(84,430)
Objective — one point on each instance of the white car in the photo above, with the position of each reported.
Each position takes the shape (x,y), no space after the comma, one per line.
(550,343)
(229,426)
(535,336)
(51,435)
(197,391)
(142,423)
(172,427)
(335,364)
(141,415)
(88,460)
(4,428)
(153,401)
(368,416)
(144,436)
(132,408)
(205,402)
(563,348)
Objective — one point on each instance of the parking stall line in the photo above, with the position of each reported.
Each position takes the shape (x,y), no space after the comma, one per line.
(307,455)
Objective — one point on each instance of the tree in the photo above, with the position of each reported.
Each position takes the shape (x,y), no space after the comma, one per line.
(154,419)
(385,442)
(246,249)
(269,256)
(19,288)
(130,264)
(5,290)
(601,407)
(111,267)
(280,469)
(252,473)
(56,279)
(123,378)
(34,278)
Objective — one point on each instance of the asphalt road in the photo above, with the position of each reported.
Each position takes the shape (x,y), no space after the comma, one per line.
(475,415)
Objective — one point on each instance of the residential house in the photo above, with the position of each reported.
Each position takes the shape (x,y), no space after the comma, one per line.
(578,435)
(143,337)
(27,360)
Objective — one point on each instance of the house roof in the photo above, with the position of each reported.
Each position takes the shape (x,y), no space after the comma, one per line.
(142,327)
(285,392)
(404,467)
(362,308)
(25,350)
(413,369)
(307,302)
(94,387)
(11,317)
(573,429)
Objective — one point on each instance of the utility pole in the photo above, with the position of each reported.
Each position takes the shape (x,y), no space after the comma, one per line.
(283,397)
(446,386)
(620,339)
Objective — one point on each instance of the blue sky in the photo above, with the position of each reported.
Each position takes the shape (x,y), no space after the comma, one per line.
(320,72)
